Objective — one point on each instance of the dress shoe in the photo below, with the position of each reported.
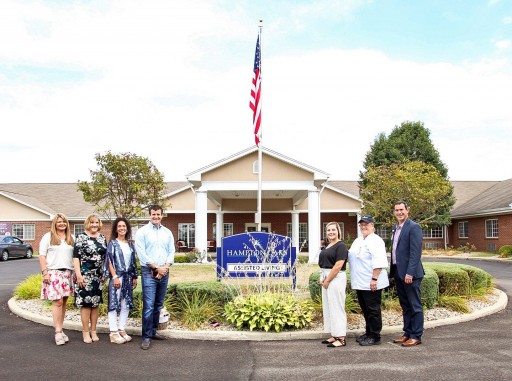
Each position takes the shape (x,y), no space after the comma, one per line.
(369,341)
(158,336)
(361,338)
(401,339)
(411,343)
(145,343)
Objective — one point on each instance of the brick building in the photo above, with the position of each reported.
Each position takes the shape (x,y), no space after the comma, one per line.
(297,200)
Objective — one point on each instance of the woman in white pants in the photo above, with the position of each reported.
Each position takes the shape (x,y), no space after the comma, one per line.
(120,264)
(332,262)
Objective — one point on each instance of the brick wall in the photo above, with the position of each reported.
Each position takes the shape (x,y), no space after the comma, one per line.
(476,232)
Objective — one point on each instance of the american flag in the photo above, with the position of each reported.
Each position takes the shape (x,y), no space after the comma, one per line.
(255,94)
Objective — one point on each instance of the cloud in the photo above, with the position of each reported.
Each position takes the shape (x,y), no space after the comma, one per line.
(503,44)
(171,82)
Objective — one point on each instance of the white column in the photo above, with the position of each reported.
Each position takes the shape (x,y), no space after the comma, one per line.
(219,228)
(201,225)
(359,234)
(295,231)
(313,225)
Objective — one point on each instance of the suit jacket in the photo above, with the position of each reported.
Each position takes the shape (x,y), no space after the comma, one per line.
(408,251)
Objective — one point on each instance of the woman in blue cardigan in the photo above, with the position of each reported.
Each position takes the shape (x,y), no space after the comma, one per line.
(121,265)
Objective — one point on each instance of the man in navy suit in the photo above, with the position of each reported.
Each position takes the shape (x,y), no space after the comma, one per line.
(407,270)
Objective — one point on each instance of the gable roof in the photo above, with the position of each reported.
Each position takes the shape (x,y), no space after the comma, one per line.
(495,199)
(52,198)
(318,174)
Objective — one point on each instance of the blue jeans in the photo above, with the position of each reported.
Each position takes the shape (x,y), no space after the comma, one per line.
(153,295)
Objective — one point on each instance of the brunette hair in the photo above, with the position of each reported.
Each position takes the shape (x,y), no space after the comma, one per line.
(55,239)
(156,208)
(114,235)
(401,202)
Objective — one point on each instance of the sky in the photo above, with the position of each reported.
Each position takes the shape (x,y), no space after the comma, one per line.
(170,81)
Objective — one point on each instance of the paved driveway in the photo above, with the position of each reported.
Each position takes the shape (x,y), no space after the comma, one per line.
(477,350)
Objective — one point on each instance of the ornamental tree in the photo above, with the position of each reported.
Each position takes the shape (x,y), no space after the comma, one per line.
(408,142)
(429,195)
(123,185)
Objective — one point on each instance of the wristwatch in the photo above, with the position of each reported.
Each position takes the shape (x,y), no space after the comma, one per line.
(375,279)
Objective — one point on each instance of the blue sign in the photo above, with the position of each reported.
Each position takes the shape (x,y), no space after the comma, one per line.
(256,254)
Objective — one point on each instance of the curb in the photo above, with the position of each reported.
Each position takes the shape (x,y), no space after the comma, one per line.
(500,305)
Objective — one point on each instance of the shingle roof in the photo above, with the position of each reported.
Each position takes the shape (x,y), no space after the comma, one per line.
(54,198)
(473,197)
(494,199)
(351,187)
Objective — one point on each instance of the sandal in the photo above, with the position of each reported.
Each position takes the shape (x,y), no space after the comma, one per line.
(59,340)
(124,335)
(340,342)
(115,337)
(94,337)
(329,341)
(87,337)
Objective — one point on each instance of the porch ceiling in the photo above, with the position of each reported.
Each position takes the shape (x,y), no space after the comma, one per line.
(252,194)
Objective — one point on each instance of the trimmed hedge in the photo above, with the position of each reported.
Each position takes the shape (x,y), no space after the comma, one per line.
(440,279)
(429,288)
(460,280)
(213,290)
(453,280)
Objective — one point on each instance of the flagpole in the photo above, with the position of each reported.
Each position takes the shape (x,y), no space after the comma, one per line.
(260,154)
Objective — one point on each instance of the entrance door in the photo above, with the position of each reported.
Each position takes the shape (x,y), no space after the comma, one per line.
(250,227)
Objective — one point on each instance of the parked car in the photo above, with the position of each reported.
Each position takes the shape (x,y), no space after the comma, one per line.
(11,247)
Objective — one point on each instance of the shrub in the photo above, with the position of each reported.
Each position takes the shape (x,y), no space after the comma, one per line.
(429,288)
(220,293)
(30,288)
(269,312)
(453,280)
(315,289)
(195,310)
(181,258)
(467,248)
(479,280)
(351,303)
(390,300)
(505,251)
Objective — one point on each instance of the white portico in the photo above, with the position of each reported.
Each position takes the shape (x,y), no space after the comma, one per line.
(291,199)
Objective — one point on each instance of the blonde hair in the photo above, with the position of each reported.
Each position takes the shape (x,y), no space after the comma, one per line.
(338,228)
(88,220)
(55,239)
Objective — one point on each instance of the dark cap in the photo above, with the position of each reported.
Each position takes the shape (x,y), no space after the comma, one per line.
(367,218)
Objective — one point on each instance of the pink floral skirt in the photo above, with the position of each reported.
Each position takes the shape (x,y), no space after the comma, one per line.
(61,285)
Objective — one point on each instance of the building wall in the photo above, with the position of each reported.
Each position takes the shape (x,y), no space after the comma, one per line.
(476,232)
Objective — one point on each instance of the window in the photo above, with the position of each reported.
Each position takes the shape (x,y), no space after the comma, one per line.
(303,232)
(432,245)
(463,229)
(324,227)
(436,232)
(491,247)
(491,228)
(78,229)
(383,232)
(187,233)
(227,230)
(25,232)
